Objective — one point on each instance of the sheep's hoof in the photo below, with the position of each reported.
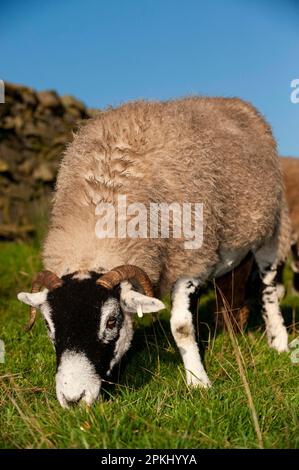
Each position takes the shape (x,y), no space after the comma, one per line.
(280,342)
(198,380)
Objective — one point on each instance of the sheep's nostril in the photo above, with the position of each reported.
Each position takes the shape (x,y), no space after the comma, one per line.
(74,400)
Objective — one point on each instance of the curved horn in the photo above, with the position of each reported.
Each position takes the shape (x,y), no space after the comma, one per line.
(46,279)
(124,273)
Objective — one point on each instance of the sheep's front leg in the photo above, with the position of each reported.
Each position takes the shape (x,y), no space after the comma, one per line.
(184,301)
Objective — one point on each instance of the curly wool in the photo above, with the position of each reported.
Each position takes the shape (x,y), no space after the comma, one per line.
(218,151)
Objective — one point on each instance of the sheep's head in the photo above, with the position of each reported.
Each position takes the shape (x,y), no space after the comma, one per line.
(89,321)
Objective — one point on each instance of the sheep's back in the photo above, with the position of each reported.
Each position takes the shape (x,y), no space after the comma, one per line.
(215,151)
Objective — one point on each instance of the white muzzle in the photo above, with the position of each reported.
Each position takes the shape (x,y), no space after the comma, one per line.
(76,380)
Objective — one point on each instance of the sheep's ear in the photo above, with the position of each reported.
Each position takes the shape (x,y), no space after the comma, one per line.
(34,300)
(132,302)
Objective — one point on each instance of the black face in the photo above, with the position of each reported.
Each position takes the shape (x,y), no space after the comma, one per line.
(91,329)
(77,316)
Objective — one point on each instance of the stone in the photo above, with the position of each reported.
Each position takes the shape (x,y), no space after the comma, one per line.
(44,173)
(49,99)
(34,130)
(3,166)
(69,101)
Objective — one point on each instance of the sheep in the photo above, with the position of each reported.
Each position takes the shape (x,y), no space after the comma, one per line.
(231,288)
(218,152)
(290,166)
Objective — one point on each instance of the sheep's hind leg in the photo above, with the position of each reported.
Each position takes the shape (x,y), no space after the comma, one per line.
(184,302)
(275,328)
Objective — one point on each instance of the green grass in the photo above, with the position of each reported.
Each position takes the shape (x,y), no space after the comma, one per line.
(151,406)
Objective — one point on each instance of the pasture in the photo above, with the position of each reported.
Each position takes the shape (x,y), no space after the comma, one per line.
(253,403)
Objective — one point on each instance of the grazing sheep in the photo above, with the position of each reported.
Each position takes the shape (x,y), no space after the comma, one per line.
(232,286)
(215,151)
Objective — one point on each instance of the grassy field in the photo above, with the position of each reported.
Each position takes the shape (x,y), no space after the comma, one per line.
(254,401)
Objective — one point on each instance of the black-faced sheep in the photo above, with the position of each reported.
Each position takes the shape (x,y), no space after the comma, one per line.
(212,151)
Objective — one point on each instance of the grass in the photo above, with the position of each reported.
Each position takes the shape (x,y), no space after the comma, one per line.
(253,403)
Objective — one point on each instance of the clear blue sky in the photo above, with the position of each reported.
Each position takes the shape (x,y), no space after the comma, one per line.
(108,52)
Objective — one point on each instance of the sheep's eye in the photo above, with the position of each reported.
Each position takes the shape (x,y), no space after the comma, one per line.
(111,322)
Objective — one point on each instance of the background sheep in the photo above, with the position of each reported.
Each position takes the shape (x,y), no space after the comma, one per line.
(291,177)
(232,286)
(212,150)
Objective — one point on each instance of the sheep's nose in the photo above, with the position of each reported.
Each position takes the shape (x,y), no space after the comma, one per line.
(73,400)
(76,379)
